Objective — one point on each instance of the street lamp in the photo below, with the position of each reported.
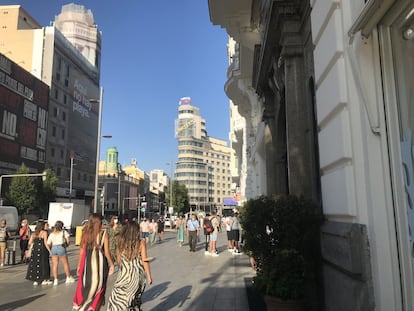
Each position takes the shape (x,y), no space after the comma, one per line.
(98,146)
(20,175)
(171,169)
(119,187)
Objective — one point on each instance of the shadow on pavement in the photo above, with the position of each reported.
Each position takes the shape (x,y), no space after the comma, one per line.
(170,302)
(20,303)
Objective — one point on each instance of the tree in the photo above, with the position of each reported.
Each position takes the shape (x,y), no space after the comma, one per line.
(22,191)
(180,200)
(46,193)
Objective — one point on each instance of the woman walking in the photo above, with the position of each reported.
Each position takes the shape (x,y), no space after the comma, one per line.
(180,227)
(134,271)
(57,241)
(113,231)
(94,265)
(153,230)
(39,268)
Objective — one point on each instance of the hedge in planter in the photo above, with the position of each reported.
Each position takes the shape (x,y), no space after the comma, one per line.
(281,231)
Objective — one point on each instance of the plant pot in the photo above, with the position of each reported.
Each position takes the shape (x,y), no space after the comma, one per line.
(276,304)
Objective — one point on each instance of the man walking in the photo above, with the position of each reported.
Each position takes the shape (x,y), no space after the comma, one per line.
(193,229)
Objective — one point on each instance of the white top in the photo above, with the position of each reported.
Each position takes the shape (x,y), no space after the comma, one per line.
(56,238)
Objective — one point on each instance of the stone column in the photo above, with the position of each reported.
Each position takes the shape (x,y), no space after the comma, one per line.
(298,114)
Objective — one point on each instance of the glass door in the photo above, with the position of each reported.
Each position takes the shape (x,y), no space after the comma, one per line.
(397,61)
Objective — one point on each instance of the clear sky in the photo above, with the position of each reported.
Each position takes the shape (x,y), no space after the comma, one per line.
(153,53)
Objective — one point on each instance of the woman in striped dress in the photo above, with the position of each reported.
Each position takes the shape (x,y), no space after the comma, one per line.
(134,271)
(94,266)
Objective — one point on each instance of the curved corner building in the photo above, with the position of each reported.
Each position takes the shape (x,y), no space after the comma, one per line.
(203,162)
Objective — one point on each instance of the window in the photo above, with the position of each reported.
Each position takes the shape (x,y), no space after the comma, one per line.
(63,134)
(54,131)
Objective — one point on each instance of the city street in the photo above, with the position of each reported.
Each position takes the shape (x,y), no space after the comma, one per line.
(182,280)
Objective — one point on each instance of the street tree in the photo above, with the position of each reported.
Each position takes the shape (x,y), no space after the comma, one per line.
(46,193)
(22,191)
(180,199)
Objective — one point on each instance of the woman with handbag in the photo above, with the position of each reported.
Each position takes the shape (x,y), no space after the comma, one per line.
(57,241)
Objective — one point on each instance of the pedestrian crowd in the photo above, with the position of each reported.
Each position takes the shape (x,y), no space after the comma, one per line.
(119,246)
(209,226)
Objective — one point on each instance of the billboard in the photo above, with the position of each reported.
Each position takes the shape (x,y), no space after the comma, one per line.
(83,121)
(23,118)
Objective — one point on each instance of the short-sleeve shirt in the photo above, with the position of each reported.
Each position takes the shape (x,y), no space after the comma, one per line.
(3,234)
(215,223)
(56,238)
(193,225)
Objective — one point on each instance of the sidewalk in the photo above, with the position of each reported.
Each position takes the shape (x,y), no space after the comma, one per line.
(195,281)
(182,280)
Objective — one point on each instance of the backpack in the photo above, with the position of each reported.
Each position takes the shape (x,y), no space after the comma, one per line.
(208,227)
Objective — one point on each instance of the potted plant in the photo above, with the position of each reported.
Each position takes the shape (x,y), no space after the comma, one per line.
(282,235)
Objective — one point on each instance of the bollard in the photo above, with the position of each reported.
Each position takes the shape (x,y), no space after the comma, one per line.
(11,254)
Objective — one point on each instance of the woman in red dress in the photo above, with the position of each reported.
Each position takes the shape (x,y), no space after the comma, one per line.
(94,266)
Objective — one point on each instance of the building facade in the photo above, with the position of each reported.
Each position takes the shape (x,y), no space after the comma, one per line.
(324,87)
(203,162)
(23,120)
(73,81)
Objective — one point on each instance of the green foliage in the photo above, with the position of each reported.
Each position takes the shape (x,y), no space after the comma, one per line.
(22,191)
(282,235)
(180,200)
(46,193)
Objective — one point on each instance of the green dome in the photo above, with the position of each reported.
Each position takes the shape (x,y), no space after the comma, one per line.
(112,159)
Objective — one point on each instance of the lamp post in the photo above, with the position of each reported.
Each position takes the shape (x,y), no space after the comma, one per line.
(98,146)
(171,172)
(20,175)
(72,156)
(119,187)
(98,150)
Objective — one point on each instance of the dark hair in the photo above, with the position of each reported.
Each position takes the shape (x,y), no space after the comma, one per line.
(58,225)
(39,226)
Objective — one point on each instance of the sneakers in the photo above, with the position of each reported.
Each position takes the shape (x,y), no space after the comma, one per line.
(55,282)
(2,265)
(47,282)
(70,279)
(214,255)
(35,283)
(207,253)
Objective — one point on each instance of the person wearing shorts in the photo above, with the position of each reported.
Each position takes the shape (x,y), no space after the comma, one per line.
(58,241)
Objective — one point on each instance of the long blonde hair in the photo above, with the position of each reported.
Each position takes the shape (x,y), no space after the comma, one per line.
(128,241)
(91,230)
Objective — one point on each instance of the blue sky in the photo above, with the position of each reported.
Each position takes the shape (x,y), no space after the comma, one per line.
(153,53)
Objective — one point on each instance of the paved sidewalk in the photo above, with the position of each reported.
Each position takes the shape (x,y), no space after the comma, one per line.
(194,281)
(182,280)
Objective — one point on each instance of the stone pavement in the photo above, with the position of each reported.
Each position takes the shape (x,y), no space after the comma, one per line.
(182,280)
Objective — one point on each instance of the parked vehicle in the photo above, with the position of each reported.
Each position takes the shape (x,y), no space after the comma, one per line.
(71,214)
(32,226)
(12,219)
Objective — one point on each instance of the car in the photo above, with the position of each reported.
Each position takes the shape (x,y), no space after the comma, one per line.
(32,226)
